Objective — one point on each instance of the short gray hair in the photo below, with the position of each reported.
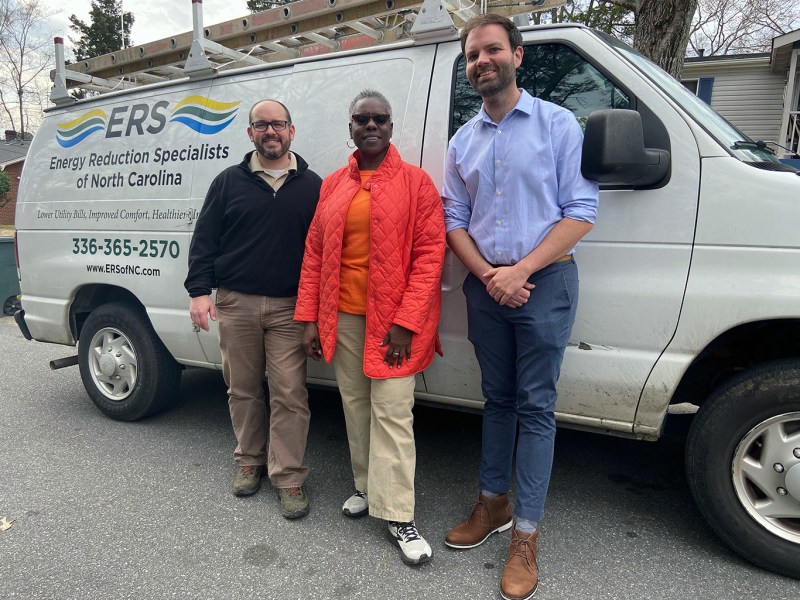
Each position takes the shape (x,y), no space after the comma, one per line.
(370,94)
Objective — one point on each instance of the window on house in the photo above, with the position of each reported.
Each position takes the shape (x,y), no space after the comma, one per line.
(704,87)
(701,88)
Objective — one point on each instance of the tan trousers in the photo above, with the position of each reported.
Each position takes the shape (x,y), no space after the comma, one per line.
(257,332)
(379,426)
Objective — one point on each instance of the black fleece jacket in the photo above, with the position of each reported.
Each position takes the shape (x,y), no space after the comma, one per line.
(250,238)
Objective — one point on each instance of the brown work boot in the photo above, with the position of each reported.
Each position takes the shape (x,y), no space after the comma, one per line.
(247,480)
(489,516)
(521,575)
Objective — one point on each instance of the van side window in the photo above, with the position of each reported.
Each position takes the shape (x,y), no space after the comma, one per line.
(553,72)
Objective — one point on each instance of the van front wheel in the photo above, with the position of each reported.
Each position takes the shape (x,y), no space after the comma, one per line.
(743,464)
(125,368)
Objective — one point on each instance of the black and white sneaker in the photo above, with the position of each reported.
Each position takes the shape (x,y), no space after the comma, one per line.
(414,550)
(356,506)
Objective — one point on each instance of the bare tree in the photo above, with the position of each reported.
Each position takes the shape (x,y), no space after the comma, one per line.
(5,16)
(658,28)
(26,52)
(741,26)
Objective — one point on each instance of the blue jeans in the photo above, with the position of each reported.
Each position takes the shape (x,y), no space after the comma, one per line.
(520,352)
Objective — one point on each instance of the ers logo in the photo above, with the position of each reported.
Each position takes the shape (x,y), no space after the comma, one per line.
(141,117)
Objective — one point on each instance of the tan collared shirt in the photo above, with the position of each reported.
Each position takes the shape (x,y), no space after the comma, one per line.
(275,182)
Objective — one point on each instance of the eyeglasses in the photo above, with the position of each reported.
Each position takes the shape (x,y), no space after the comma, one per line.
(364,119)
(264,125)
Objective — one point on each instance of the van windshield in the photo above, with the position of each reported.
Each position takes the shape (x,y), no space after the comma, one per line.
(737,143)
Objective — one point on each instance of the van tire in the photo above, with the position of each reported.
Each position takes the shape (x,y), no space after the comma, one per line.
(11,305)
(126,369)
(733,432)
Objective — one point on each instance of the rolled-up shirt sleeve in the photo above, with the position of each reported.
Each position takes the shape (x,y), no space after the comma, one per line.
(577,196)
(456,199)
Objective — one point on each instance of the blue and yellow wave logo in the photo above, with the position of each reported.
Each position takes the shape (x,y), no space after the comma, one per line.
(198,113)
(77,130)
(204,115)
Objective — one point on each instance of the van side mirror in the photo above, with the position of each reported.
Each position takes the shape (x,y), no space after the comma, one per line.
(614,152)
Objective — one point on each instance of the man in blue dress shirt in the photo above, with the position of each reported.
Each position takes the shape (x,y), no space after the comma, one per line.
(516,206)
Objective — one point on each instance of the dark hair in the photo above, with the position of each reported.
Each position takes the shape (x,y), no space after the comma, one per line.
(370,94)
(514,36)
(252,108)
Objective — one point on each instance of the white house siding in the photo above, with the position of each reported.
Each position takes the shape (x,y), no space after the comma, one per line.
(745,91)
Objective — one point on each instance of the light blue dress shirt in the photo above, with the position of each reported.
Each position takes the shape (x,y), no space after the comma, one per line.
(509,183)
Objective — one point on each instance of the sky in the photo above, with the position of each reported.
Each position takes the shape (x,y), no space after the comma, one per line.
(153,19)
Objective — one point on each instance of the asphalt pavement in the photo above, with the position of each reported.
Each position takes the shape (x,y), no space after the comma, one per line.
(106,510)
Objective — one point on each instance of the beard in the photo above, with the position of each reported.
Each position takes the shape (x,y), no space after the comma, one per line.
(505,76)
(272,154)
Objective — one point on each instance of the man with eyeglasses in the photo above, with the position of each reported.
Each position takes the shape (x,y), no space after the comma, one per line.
(248,242)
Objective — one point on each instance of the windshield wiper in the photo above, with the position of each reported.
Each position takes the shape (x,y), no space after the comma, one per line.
(748,145)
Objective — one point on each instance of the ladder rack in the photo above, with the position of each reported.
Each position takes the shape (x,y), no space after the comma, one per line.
(295,30)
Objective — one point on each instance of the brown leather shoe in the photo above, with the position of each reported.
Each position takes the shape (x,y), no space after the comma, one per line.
(490,515)
(521,575)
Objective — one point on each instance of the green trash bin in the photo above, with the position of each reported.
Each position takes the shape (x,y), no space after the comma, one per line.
(9,284)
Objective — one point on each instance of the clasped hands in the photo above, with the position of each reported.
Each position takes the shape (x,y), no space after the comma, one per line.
(508,286)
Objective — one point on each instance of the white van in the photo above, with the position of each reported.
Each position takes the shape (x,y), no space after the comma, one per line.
(690,280)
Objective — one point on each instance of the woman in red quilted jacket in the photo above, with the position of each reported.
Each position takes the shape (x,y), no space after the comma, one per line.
(370,296)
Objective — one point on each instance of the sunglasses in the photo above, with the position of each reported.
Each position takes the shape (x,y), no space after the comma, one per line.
(378,119)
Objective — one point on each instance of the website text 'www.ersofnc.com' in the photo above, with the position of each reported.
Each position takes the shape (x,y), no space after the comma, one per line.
(124,270)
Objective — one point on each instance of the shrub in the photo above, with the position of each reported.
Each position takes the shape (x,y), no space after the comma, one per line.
(5,186)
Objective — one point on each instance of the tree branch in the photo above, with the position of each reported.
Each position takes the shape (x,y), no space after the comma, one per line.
(631,5)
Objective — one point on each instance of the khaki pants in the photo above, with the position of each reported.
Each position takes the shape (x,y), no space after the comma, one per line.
(379,426)
(257,332)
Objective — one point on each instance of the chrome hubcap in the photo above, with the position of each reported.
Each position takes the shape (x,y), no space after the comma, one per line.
(766,475)
(113,364)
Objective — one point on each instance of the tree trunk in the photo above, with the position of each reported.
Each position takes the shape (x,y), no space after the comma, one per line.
(662,32)
(21,128)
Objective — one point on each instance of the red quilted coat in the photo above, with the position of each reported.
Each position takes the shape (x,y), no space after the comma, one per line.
(407,244)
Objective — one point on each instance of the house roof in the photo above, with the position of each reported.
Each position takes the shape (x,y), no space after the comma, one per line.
(782,47)
(723,63)
(779,58)
(13,152)
(715,58)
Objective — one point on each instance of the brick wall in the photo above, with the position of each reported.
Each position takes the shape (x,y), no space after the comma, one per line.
(7,211)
